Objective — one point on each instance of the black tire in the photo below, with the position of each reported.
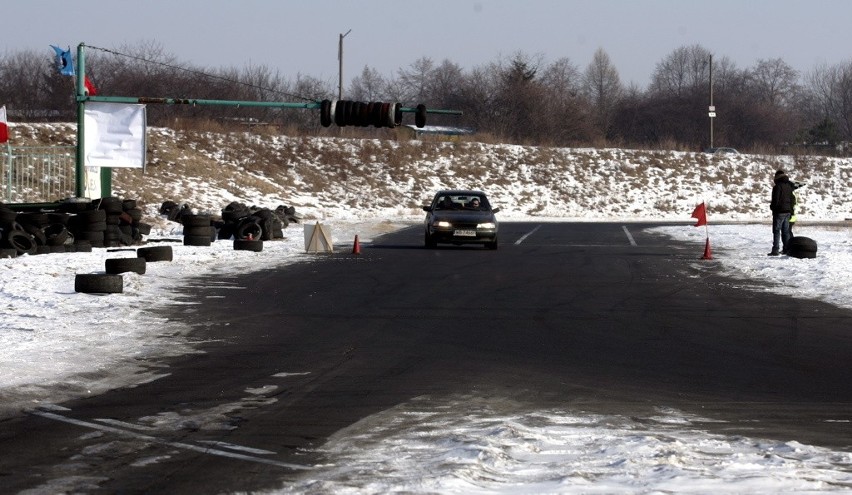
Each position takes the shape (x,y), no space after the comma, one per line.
(196,220)
(420,116)
(143,228)
(339,113)
(110,204)
(397,114)
(155,253)
(802,247)
(7,216)
(92,227)
(491,245)
(429,241)
(135,214)
(248,245)
(121,265)
(56,234)
(249,228)
(91,216)
(325,113)
(207,230)
(226,231)
(37,233)
(197,240)
(21,242)
(128,204)
(90,236)
(98,283)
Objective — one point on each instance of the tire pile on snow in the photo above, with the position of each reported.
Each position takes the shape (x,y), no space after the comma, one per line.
(72,226)
(247,226)
(112,281)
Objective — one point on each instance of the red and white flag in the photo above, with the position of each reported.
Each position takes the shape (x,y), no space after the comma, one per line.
(4,126)
(700,213)
(90,88)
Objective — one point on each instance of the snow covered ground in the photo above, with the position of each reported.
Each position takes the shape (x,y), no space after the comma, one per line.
(56,344)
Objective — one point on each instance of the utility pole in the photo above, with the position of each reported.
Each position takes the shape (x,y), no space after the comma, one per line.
(712,112)
(340,65)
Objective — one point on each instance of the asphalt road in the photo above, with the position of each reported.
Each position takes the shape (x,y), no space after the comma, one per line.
(598,316)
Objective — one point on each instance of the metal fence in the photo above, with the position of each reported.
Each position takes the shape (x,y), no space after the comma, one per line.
(37,174)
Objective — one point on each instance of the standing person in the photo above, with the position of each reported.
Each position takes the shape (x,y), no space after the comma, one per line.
(781,204)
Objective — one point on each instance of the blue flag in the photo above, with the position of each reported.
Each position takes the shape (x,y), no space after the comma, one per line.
(64,61)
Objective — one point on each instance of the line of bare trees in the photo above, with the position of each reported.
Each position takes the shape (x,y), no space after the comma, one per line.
(522,99)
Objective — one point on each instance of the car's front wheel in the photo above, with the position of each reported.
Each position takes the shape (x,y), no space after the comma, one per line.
(430,241)
(491,245)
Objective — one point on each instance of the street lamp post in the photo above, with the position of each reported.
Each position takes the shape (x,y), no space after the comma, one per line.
(340,65)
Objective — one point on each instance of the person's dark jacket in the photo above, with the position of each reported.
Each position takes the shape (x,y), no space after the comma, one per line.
(782,196)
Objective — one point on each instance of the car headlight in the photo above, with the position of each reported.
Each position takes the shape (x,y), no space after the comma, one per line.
(486,225)
(443,224)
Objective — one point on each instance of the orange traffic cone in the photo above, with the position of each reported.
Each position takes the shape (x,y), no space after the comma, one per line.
(707,254)
(356,247)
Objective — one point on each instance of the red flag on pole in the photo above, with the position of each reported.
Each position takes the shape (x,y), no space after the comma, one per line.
(90,88)
(4,126)
(700,213)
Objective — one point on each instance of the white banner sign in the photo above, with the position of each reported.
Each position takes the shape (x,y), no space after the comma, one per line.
(114,135)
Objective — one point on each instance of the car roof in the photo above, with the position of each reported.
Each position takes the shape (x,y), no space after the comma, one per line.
(459,192)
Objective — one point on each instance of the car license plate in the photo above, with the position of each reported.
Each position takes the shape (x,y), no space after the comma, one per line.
(465,233)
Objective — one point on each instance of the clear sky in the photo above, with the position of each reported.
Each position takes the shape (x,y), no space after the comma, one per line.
(301,37)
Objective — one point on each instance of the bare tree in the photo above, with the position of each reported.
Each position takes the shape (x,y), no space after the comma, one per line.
(368,86)
(773,81)
(830,90)
(415,80)
(602,86)
(682,72)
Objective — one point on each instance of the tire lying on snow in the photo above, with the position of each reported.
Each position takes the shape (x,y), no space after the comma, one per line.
(115,266)
(248,245)
(20,241)
(155,253)
(802,247)
(98,283)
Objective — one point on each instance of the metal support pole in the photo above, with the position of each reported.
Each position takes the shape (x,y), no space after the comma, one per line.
(80,171)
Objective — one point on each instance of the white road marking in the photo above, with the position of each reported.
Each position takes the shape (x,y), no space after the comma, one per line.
(629,237)
(179,445)
(523,237)
(123,424)
(231,446)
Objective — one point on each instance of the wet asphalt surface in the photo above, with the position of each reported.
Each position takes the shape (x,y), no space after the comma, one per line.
(598,317)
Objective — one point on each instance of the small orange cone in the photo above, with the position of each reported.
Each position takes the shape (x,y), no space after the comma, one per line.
(707,254)
(356,247)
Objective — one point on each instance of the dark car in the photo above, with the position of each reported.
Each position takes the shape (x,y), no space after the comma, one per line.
(460,217)
(722,151)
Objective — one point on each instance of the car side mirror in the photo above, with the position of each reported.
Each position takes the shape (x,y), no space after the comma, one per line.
(495,210)
(427,208)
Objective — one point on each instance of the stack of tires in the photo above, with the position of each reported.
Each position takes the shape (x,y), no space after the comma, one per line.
(107,222)
(241,222)
(32,232)
(198,230)
(13,239)
(112,281)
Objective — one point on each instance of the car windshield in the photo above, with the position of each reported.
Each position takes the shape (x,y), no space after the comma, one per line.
(462,202)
